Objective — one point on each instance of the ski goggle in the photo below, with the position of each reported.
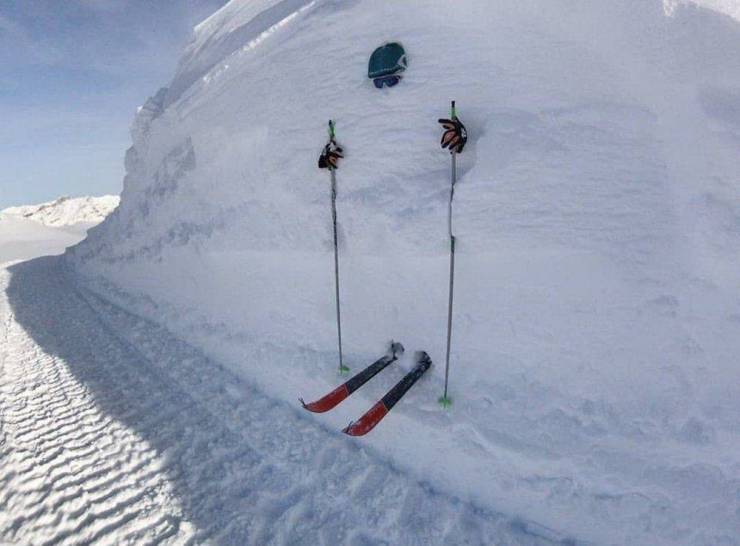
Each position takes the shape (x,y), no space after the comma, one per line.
(390,81)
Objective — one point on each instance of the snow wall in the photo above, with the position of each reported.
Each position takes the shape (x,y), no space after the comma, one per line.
(597,215)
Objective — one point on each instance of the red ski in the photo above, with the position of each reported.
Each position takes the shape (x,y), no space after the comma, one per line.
(343,391)
(375,414)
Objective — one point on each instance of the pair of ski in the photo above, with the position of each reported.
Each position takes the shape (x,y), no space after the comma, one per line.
(381,408)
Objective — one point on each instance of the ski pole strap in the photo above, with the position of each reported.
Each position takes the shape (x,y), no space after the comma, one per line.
(455,135)
(330,156)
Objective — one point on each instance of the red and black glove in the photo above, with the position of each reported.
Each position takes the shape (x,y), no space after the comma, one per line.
(455,135)
(329,158)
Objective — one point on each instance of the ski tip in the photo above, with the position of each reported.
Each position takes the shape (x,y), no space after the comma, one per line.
(310,407)
(356,429)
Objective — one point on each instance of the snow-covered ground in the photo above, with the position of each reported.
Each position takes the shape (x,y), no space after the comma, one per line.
(597,314)
(111,433)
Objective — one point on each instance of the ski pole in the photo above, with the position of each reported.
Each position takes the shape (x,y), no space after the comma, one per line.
(342,368)
(455,138)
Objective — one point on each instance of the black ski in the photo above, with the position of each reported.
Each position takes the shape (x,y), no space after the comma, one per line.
(343,391)
(375,414)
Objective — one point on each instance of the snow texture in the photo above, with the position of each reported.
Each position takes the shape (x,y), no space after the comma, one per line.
(594,365)
(111,433)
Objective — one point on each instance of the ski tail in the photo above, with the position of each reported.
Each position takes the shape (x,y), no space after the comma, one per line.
(376,413)
(329,401)
(343,391)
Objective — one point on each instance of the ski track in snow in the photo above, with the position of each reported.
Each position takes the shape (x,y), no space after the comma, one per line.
(114,432)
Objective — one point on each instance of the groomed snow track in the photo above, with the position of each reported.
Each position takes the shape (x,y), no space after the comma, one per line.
(114,432)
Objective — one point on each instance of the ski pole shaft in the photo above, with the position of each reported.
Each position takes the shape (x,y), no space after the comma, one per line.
(332,170)
(336,265)
(453,180)
(452,277)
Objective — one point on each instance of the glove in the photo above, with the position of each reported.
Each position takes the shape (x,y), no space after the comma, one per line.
(329,158)
(455,135)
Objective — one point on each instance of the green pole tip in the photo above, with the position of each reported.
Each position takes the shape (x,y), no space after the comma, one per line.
(343,370)
(445,402)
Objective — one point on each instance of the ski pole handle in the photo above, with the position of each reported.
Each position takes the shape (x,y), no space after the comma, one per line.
(331,130)
(453,112)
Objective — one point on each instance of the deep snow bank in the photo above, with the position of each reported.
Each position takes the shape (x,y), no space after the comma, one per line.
(598,224)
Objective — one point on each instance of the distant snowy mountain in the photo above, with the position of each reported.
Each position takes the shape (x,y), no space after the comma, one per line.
(728,7)
(68,211)
(597,223)
(49,228)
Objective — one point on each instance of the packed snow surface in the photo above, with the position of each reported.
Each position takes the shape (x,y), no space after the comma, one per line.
(597,215)
(110,433)
(68,211)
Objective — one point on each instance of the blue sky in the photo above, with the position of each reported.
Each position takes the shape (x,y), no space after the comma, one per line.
(72,73)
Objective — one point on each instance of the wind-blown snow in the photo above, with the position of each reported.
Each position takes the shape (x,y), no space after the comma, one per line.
(597,217)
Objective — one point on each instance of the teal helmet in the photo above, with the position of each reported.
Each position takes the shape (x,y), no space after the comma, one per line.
(388,59)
